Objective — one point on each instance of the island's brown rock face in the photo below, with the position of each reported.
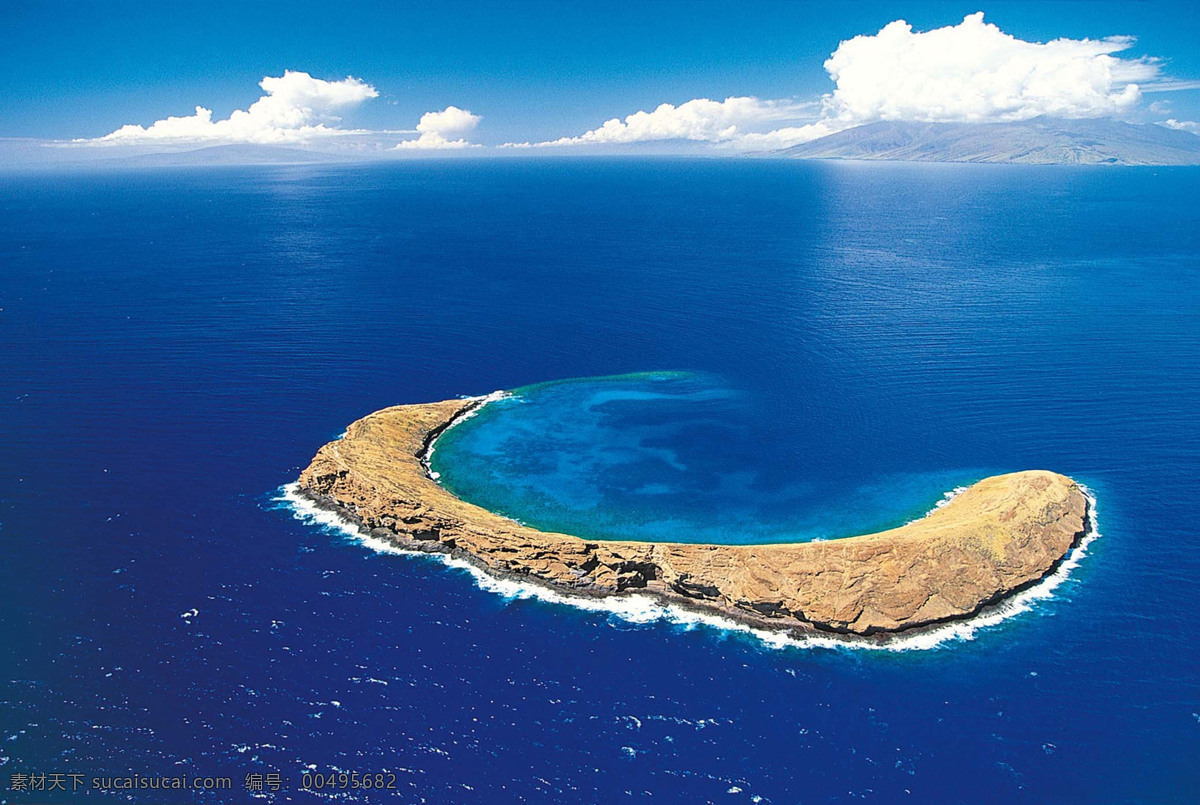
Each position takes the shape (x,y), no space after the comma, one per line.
(1004,533)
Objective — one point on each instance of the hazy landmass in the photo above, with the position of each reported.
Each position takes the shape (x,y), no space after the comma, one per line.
(33,154)
(1043,141)
(239,154)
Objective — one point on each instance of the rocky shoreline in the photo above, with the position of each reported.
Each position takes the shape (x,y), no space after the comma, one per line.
(1002,535)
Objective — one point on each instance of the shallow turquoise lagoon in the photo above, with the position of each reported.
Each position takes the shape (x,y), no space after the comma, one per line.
(670,457)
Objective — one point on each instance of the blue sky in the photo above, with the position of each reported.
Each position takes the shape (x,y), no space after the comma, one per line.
(530,71)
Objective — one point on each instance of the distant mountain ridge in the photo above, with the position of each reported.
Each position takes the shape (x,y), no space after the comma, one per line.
(234,154)
(1041,141)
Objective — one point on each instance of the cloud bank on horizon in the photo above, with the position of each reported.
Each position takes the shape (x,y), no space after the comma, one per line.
(969,72)
(295,108)
(700,120)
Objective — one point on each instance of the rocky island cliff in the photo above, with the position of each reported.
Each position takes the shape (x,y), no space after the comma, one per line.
(1001,535)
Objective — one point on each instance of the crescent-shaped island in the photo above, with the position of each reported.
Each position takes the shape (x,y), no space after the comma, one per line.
(1002,535)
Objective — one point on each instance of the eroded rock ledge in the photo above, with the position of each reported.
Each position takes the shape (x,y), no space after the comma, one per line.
(1003,534)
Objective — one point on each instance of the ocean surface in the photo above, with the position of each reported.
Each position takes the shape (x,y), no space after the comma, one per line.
(740,351)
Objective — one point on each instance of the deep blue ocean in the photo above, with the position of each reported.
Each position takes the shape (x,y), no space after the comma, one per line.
(829,347)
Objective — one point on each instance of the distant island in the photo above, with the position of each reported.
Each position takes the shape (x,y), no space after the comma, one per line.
(1041,141)
(236,154)
(1001,535)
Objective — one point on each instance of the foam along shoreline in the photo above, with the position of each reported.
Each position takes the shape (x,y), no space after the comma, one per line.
(984,551)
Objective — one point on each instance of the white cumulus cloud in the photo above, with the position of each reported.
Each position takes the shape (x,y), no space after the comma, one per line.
(1182,125)
(973,71)
(438,128)
(295,107)
(967,72)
